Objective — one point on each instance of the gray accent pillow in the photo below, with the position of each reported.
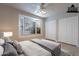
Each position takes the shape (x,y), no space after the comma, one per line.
(17,47)
(9,50)
(15,44)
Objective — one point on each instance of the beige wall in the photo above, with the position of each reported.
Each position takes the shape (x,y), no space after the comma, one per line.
(9,22)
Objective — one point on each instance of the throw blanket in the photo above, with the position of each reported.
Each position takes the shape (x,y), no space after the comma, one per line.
(54,47)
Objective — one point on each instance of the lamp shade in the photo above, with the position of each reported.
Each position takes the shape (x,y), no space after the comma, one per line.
(7,34)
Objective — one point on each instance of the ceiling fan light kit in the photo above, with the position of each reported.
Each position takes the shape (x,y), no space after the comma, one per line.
(42,9)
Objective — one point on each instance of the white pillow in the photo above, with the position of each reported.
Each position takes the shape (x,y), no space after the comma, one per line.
(1,50)
(2,41)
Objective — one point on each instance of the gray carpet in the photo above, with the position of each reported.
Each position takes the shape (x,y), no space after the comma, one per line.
(64,54)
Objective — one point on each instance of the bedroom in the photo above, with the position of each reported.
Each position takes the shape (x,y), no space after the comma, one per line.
(57,25)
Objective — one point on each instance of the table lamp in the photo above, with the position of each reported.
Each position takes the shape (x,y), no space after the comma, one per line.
(7,34)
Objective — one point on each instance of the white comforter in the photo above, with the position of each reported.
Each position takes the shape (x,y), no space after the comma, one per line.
(32,49)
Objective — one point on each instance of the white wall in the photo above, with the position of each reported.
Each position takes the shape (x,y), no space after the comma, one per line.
(50,29)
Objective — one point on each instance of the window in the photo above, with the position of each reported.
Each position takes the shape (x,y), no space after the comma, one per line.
(29,25)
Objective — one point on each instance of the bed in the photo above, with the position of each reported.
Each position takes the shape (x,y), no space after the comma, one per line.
(53,47)
(34,47)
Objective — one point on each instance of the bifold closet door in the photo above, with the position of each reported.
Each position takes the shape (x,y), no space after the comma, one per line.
(50,29)
(68,30)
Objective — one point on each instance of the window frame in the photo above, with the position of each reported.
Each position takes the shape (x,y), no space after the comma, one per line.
(21,32)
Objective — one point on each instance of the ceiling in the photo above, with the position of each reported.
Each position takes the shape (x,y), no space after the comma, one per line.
(51,8)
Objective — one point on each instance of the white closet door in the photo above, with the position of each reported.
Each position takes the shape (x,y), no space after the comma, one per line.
(50,29)
(68,30)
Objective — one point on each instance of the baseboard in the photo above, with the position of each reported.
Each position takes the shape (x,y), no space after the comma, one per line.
(68,44)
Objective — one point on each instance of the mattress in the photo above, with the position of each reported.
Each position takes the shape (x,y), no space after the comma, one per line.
(32,49)
(54,47)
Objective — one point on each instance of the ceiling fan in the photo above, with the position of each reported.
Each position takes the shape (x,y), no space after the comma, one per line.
(43,8)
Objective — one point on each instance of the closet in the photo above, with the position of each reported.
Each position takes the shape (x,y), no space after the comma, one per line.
(67,30)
